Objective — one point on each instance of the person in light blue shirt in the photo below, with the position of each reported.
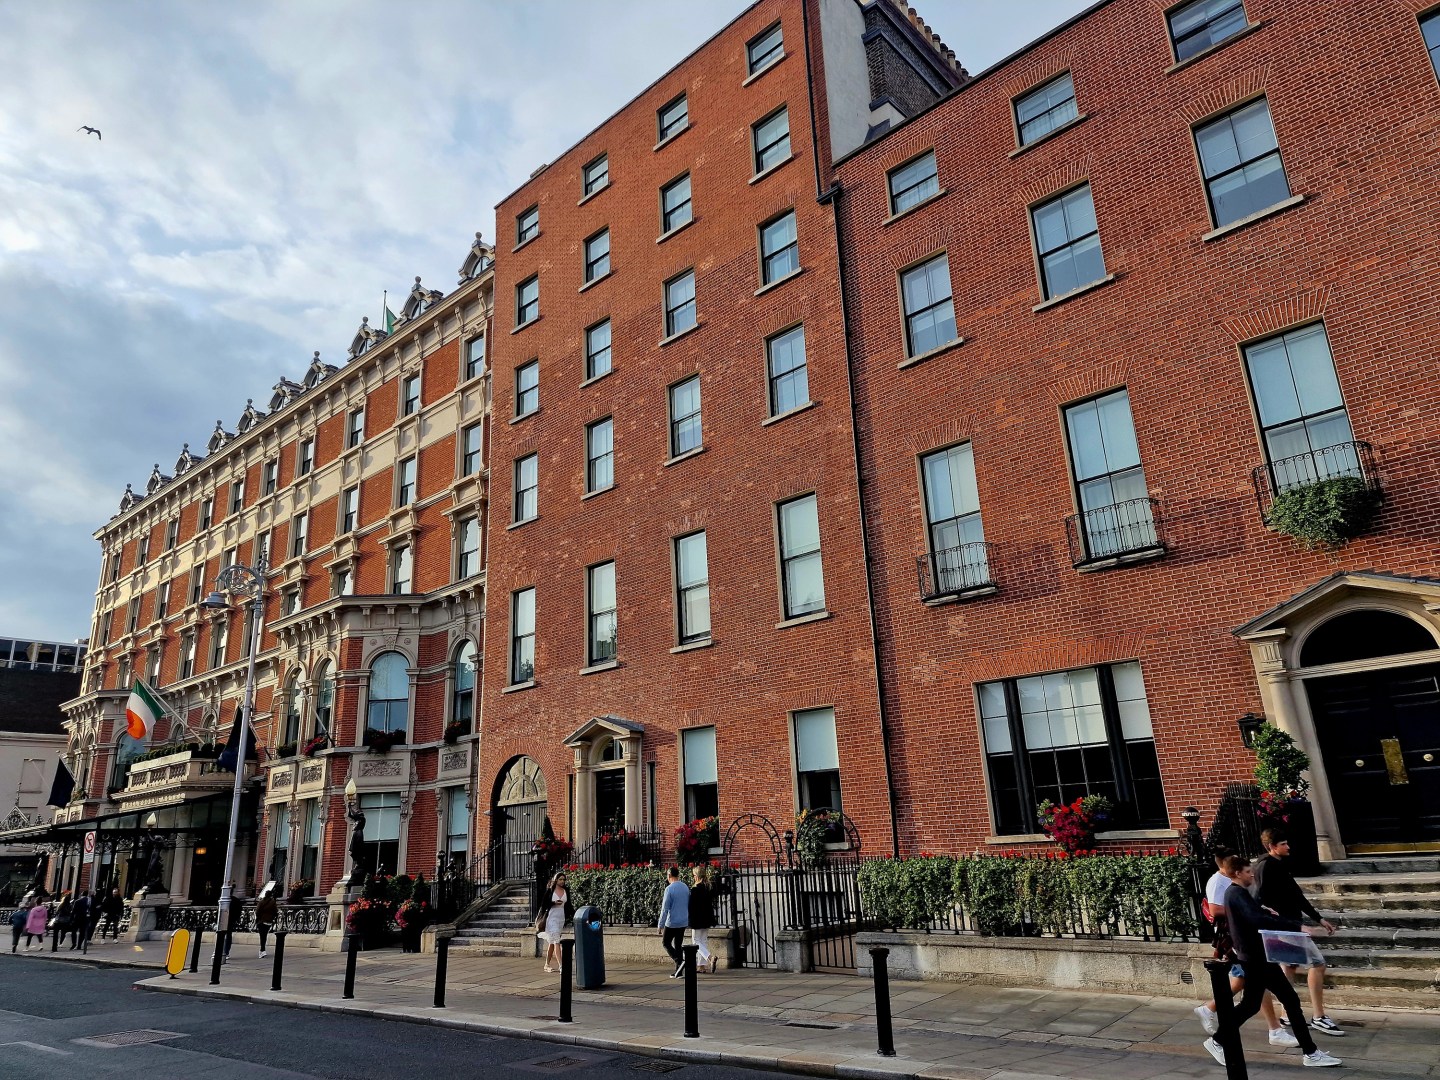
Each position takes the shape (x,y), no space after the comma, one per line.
(674,918)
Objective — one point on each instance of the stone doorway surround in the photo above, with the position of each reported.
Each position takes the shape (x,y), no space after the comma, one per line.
(1277,638)
(589,742)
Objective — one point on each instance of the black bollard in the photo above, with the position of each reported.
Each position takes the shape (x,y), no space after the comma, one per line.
(442,962)
(195,953)
(1225,1010)
(279,959)
(352,949)
(883,1028)
(219,957)
(567,961)
(692,993)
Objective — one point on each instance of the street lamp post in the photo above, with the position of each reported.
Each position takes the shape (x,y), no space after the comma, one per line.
(247,582)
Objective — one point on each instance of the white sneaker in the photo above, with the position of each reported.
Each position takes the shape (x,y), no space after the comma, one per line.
(1208,1019)
(1281,1037)
(1216,1051)
(263,954)
(1320,1060)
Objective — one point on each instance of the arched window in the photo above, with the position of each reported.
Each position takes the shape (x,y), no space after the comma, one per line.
(609,750)
(389,695)
(462,710)
(1363,635)
(290,732)
(324,698)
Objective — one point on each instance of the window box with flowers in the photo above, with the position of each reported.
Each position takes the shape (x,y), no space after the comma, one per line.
(816,833)
(1073,827)
(286,750)
(696,840)
(315,745)
(382,742)
(455,731)
(301,889)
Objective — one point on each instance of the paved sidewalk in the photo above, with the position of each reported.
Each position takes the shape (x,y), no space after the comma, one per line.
(815,1024)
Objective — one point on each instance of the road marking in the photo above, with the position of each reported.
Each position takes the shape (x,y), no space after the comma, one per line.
(39,1046)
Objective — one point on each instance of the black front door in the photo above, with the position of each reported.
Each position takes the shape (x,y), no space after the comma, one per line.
(610,800)
(519,826)
(1379,732)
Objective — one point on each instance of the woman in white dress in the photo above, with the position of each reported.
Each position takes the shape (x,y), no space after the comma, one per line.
(550,921)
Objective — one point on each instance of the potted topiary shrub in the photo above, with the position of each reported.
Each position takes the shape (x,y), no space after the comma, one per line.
(1279,773)
(1326,513)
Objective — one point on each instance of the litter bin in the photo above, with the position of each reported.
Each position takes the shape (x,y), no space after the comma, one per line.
(589,948)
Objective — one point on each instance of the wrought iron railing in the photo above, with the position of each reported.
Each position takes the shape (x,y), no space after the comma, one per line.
(1121,530)
(1354,459)
(956,571)
(292,918)
(614,848)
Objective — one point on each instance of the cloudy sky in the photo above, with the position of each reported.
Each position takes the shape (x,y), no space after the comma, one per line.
(266,170)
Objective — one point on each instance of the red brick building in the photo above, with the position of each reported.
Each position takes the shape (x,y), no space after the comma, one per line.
(679,608)
(362,488)
(1116,304)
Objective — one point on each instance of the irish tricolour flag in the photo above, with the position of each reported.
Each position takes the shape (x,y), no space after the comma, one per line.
(142,710)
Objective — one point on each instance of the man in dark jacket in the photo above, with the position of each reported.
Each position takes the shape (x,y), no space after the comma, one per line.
(1246,919)
(112,909)
(1276,888)
(80,922)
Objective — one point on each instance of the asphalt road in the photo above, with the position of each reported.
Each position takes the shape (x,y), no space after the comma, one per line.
(52,1012)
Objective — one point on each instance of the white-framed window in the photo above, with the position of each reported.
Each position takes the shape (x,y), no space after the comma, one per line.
(350,509)
(601,610)
(467,543)
(1067,242)
(132,616)
(462,704)
(207,512)
(405,481)
(927,305)
(527,300)
(472,451)
(387,704)
(187,654)
(172,534)
(779,248)
(153,657)
(764,49)
(1114,502)
(162,600)
(525,503)
(324,698)
(1240,159)
(597,255)
(958,554)
(817,759)
(401,568)
(410,395)
(474,356)
(680,303)
(912,183)
(142,550)
(527,388)
(237,496)
(802,579)
(675,206)
(291,601)
(355,427)
(219,633)
(692,588)
(299,527)
(342,581)
(701,773)
(1047,107)
(599,455)
(685,426)
(673,117)
(305,457)
(770,140)
(597,349)
(522,635)
(787,377)
(270,474)
(595,174)
(197,584)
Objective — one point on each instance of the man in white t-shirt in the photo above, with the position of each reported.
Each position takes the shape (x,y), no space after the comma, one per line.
(1215,912)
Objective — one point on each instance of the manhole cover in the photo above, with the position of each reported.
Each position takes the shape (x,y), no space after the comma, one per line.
(130,1038)
(566,1062)
(657,1066)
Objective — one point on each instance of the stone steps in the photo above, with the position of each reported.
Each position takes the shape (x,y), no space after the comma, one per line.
(1367,937)
(502,929)
(1367,884)
(1425,960)
(1404,864)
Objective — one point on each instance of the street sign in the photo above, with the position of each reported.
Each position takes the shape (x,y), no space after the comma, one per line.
(89,847)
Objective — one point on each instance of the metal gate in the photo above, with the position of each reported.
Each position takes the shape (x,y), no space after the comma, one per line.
(766,889)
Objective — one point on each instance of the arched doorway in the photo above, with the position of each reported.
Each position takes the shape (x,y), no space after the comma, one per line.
(517,815)
(1378,729)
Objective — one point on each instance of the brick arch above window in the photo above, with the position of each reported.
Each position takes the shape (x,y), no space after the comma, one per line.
(796,484)
(955,430)
(1301,307)
(1231,92)
(1075,171)
(1041,70)
(933,242)
(1016,663)
(1093,380)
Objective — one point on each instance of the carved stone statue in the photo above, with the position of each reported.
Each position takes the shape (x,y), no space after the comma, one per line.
(359,853)
(155,865)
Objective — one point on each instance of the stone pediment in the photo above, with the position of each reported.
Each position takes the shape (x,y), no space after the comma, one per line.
(603,725)
(419,299)
(1332,590)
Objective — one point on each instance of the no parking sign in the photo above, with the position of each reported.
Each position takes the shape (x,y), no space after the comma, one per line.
(90,847)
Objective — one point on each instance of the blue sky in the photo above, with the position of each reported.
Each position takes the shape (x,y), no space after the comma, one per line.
(266,170)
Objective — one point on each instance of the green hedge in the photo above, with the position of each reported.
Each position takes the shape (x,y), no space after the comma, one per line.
(997,895)
(626,896)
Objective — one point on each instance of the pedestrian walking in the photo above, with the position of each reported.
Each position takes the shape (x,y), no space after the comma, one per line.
(17,924)
(266,912)
(79,920)
(674,918)
(61,921)
(555,911)
(702,917)
(111,911)
(1214,910)
(1246,919)
(36,921)
(1277,889)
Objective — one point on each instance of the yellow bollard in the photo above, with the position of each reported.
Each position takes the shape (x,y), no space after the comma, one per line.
(178,951)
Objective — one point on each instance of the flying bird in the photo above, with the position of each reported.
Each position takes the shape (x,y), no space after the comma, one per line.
(90,131)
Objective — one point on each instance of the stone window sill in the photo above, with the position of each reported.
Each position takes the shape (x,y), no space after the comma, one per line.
(594,281)
(681,333)
(911,361)
(528,684)
(779,281)
(596,378)
(918,206)
(1020,838)
(694,452)
(960,597)
(517,524)
(597,491)
(771,170)
(768,67)
(523,416)
(672,136)
(800,620)
(598,191)
(523,243)
(787,414)
(689,645)
(1089,286)
(525,325)
(677,229)
(1138,834)
(1052,133)
(1213,49)
(1259,215)
(594,669)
